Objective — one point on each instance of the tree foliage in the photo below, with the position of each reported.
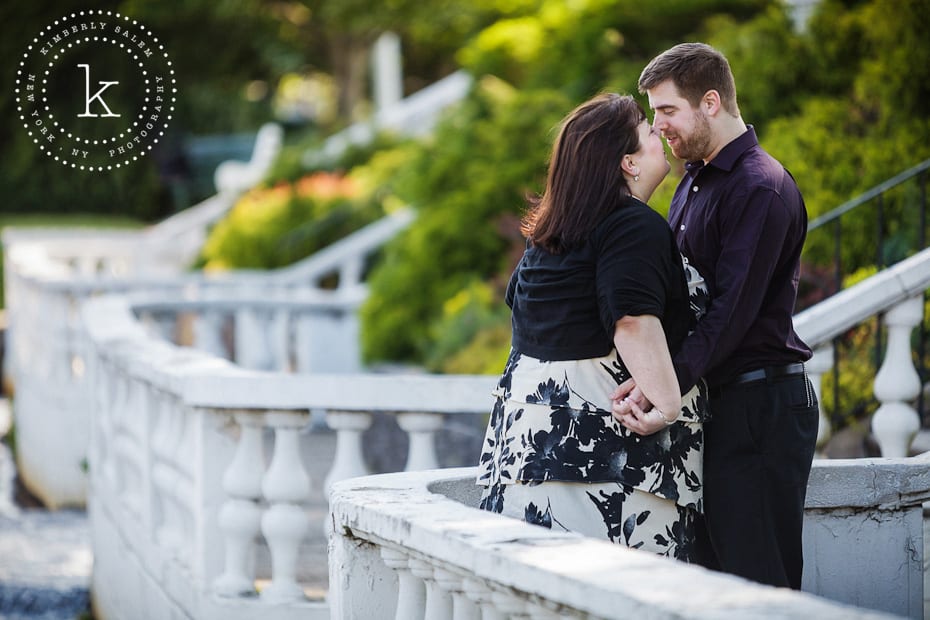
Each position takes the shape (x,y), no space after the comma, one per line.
(585,46)
(862,120)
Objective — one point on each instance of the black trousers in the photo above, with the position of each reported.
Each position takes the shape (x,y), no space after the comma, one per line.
(759,444)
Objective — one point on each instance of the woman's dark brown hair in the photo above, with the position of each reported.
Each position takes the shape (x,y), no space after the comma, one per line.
(585,182)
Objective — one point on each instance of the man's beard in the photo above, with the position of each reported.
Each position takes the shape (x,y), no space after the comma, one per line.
(697,145)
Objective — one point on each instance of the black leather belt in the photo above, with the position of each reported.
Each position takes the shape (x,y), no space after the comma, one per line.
(769,372)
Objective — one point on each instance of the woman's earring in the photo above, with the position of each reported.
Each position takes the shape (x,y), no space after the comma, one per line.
(636,177)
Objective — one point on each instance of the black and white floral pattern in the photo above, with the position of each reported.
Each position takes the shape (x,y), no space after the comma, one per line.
(610,510)
(552,421)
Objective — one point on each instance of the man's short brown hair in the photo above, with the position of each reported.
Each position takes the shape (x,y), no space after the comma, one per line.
(694,69)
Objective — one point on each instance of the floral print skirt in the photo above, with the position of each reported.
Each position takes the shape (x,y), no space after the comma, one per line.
(554,455)
(606,510)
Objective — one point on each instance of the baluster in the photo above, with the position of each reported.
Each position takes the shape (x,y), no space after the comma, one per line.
(164,435)
(86,265)
(817,366)
(420,427)
(184,493)
(350,272)
(305,356)
(107,400)
(411,594)
(481,595)
(348,461)
(438,601)
(118,412)
(286,487)
(140,456)
(208,337)
(453,583)
(895,422)
(510,606)
(327,340)
(477,593)
(240,516)
(278,340)
(249,343)
(539,611)
(347,328)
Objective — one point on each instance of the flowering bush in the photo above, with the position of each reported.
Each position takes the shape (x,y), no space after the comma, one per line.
(275,226)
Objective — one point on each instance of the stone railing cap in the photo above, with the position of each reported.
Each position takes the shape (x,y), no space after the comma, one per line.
(596,577)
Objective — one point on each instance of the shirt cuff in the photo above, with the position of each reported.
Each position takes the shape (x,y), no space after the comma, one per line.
(686,380)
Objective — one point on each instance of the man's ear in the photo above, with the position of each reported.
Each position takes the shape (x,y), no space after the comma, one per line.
(710,103)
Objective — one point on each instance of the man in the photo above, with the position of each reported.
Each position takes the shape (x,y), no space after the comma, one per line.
(740,220)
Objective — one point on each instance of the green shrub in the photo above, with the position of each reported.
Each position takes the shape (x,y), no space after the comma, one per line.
(485,354)
(465,316)
(467,182)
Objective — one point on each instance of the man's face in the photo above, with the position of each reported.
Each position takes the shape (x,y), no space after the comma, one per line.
(686,130)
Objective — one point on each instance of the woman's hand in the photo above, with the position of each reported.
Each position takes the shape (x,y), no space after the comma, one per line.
(627,391)
(643,422)
(641,344)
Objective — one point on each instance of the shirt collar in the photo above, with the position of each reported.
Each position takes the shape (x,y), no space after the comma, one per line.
(729,154)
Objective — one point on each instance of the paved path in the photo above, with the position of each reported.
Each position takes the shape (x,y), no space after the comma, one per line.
(45,557)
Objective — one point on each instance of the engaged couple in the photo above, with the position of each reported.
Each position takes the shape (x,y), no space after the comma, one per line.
(655,394)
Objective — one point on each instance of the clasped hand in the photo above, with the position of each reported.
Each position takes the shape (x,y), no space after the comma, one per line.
(633,410)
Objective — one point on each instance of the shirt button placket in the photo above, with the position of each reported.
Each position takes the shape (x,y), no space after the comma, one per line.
(694,189)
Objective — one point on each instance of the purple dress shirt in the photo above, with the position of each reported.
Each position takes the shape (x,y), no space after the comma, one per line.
(741,221)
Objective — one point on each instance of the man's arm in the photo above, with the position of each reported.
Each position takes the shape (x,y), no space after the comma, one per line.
(752,237)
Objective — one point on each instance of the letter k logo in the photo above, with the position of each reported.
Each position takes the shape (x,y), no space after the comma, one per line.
(88,99)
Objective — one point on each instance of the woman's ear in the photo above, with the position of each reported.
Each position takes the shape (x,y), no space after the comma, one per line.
(627,165)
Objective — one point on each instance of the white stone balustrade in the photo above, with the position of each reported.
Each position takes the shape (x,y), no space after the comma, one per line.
(415,115)
(195,494)
(183,496)
(897,292)
(47,274)
(309,329)
(197,477)
(425,525)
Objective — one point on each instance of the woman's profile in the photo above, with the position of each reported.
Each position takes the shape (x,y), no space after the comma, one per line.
(600,294)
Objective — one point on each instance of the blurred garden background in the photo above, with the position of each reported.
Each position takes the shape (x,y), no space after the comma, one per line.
(841,97)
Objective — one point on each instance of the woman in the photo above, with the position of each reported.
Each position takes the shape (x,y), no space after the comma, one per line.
(600,294)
